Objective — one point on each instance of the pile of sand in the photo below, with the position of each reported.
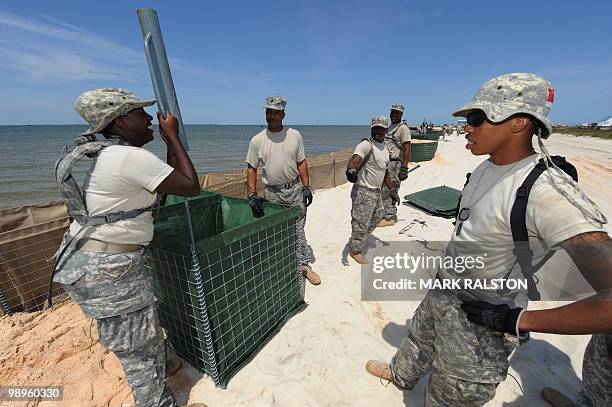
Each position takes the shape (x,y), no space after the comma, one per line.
(318,358)
(60,347)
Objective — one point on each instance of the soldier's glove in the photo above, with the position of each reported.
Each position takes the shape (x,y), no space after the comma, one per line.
(395,199)
(403,173)
(500,318)
(306,196)
(256,204)
(351,175)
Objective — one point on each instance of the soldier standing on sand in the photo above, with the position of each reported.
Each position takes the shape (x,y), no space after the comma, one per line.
(367,169)
(397,141)
(467,335)
(279,151)
(105,273)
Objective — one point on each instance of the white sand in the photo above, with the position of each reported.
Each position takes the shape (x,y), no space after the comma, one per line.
(318,357)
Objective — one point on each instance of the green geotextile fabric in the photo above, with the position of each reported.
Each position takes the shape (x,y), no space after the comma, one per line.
(422,151)
(220,303)
(439,201)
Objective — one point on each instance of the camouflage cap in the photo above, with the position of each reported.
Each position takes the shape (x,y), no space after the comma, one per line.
(397,106)
(275,102)
(506,95)
(379,121)
(99,107)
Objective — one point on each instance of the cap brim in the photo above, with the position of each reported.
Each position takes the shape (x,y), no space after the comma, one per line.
(133,105)
(273,108)
(378,125)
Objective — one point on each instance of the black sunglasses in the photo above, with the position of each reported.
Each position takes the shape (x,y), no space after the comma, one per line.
(476,118)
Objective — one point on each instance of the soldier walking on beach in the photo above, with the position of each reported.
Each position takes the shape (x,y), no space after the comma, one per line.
(467,335)
(397,141)
(104,272)
(367,169)
(279,152)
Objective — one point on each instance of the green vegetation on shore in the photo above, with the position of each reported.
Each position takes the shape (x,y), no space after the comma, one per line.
(584,131)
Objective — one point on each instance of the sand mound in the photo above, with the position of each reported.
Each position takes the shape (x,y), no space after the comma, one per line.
(60,347)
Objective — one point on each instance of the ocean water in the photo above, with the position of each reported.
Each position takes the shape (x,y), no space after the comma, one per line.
(28,153)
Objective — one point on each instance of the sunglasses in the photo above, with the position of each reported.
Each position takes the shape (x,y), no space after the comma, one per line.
(476,118)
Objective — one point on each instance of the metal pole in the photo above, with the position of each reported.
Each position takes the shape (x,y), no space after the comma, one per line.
(167,101)
(159,68)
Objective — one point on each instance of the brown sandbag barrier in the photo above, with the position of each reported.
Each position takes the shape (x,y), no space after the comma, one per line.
(30,235)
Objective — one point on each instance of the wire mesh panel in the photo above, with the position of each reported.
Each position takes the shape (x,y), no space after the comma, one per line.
(440,201)
(422,150)
(222,298)
(29,237)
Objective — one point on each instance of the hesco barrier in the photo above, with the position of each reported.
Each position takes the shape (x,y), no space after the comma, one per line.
(325,170)
(29,235)
(430,135)
(422,150)
(222,298)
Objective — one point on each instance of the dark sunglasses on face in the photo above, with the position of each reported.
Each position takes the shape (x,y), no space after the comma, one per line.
(476,118)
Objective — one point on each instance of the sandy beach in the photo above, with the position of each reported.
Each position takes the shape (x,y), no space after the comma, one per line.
(318,358)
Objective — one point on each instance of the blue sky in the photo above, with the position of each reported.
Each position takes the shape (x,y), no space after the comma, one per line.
(336,62)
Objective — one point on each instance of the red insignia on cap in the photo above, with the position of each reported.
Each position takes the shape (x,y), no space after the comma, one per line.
(551,95)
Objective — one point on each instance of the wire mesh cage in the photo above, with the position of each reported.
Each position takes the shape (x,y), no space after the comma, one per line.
(423,150)
(221,297)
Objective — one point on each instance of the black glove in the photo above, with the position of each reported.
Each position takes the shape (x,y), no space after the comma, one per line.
(351,175)
(306,196)
(403,173)
(395,199)
(499,318)
(256,204)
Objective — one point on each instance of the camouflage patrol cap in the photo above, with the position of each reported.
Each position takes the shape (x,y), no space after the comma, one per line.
(99,107)
(506,95)
(379,121)
(397,106)
(275,103)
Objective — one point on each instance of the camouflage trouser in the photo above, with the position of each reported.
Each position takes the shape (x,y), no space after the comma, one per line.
(366,212)
(469,360)
(138,342)
(597,373)
(390,210)
(115,290)
(293,196)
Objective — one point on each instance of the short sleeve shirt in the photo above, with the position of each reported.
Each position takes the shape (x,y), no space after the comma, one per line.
(277,154)
(397,135)
(372,174)
(550,219)
(123,178)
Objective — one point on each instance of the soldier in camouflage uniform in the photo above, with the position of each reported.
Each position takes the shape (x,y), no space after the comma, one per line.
(397,141)
(367,168)
(466,336)
(103,272)
(596,377)
(279,151)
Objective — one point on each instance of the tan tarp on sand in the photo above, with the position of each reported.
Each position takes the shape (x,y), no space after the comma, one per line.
(30,235)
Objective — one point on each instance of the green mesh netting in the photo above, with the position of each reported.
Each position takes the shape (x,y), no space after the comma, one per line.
(439,201)
(221,300)
(422,151)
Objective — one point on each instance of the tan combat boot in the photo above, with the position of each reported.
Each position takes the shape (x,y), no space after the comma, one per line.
(381,370)
(359,258)
(555,398)
(385,222)
(312,277)
(173,364)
